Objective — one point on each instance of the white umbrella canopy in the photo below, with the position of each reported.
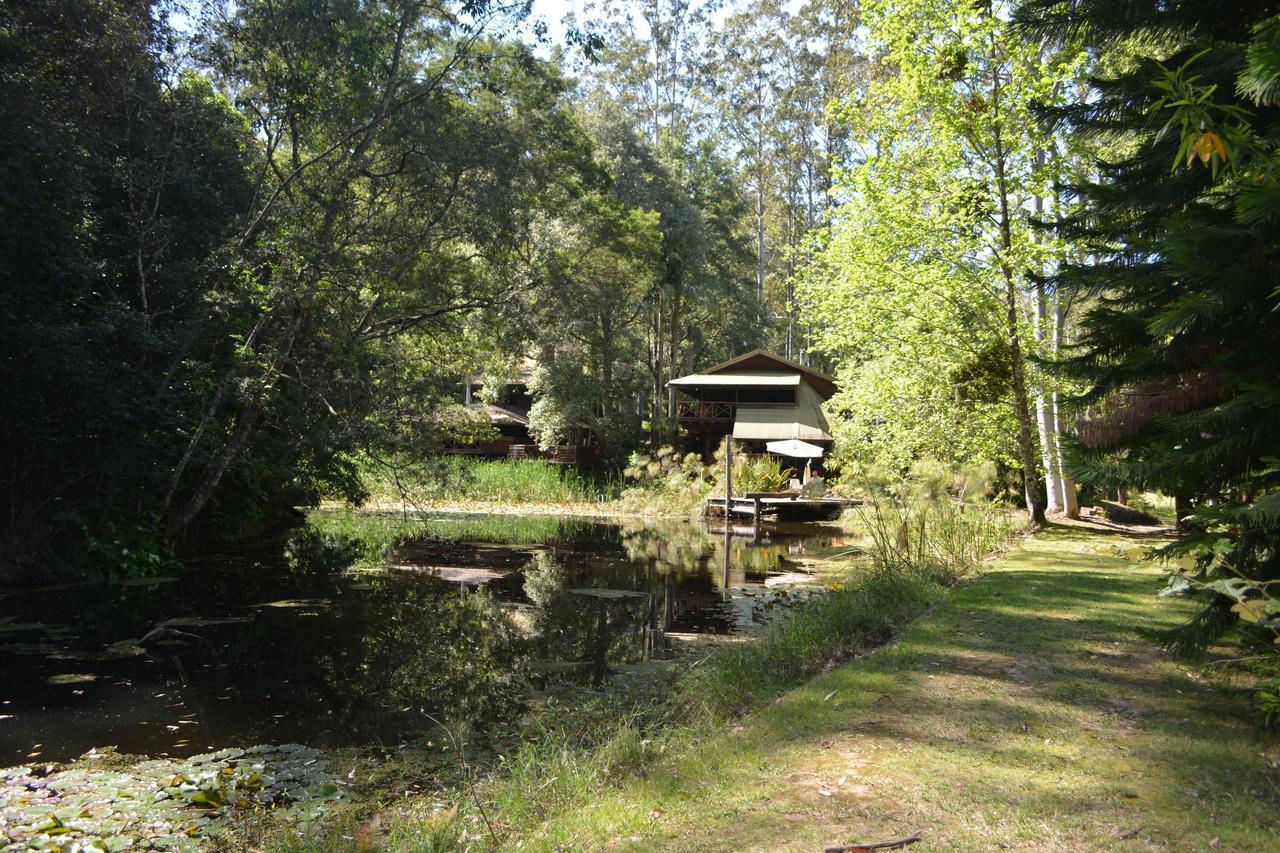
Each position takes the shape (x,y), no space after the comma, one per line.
(794,448)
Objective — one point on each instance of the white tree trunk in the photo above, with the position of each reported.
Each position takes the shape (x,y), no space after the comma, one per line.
(1045,420)
(1070,500)
(760,249)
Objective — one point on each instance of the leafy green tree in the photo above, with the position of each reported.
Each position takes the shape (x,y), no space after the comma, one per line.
(122,177)
(645,111)
(772,72)
(394,193)
(589,355)
(930,248)
(230,269)
(748,91)
(651,64)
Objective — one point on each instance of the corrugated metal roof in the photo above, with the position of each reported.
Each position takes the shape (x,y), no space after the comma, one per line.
(825,384)
(755,378)
(804,421)
(774,425)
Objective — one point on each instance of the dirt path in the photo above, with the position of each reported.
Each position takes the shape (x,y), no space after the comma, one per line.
(1026,711)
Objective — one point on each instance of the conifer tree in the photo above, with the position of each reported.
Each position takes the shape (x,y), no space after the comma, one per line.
(1179,232)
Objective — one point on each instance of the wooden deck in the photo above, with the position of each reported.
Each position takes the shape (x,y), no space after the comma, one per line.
(563,454)
(777,507)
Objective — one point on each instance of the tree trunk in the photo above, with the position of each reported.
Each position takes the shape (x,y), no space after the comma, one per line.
(760,250)
(1181,509)
(240,433)
(212,475)
(604,436)
(791,316)
(1022,408)
(210,412)
(673,363)
(1018,379)
(655,355)
(1070,499)
(1044,415)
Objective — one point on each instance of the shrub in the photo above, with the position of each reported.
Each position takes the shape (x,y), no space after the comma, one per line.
(949,536)
(1121,514)
(669,483)
(757,473)
(666,482)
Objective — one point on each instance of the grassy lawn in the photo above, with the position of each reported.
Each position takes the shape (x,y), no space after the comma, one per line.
(1025,711)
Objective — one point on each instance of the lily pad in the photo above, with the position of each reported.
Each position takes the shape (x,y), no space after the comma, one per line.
(71,678)
(10,626)
(159,803)
(115,651)
(608,594)
(43,649)
(288,603)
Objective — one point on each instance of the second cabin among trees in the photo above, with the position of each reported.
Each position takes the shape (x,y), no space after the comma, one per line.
(505,407)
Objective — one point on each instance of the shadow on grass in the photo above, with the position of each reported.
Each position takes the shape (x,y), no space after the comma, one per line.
(1028,699)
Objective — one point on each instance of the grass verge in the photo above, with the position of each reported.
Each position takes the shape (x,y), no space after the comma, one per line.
(1028,711)
(466,479)
(583,745)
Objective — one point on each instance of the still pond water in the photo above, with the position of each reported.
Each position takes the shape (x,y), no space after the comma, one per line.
(311,640)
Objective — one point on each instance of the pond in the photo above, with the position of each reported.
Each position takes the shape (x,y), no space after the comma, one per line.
(311,639)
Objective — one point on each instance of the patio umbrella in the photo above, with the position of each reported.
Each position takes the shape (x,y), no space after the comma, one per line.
(794,448)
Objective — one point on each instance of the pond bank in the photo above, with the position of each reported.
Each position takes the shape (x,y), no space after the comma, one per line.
(602,511)
(511,630)
(579,744)
(1026,710)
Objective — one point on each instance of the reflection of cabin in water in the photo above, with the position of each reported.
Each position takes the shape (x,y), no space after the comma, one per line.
(757,398)
(509,415)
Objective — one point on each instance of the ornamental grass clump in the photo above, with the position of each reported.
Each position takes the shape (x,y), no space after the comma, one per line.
(671,484)
(666,482)
(938,518)
(463,479)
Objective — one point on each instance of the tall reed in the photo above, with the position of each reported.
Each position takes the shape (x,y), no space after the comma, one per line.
(950,536)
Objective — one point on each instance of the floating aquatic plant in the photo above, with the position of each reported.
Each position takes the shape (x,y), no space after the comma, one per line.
(156,804)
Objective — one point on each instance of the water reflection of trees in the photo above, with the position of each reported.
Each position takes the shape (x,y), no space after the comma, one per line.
(437,651)
(684,547)
(507,529)
(578,630)
(408,646)
(293,646)
(277,644)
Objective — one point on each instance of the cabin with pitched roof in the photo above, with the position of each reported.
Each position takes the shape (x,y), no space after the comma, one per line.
(757,398)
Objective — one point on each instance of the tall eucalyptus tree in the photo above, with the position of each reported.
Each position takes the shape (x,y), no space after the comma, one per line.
(937,225)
